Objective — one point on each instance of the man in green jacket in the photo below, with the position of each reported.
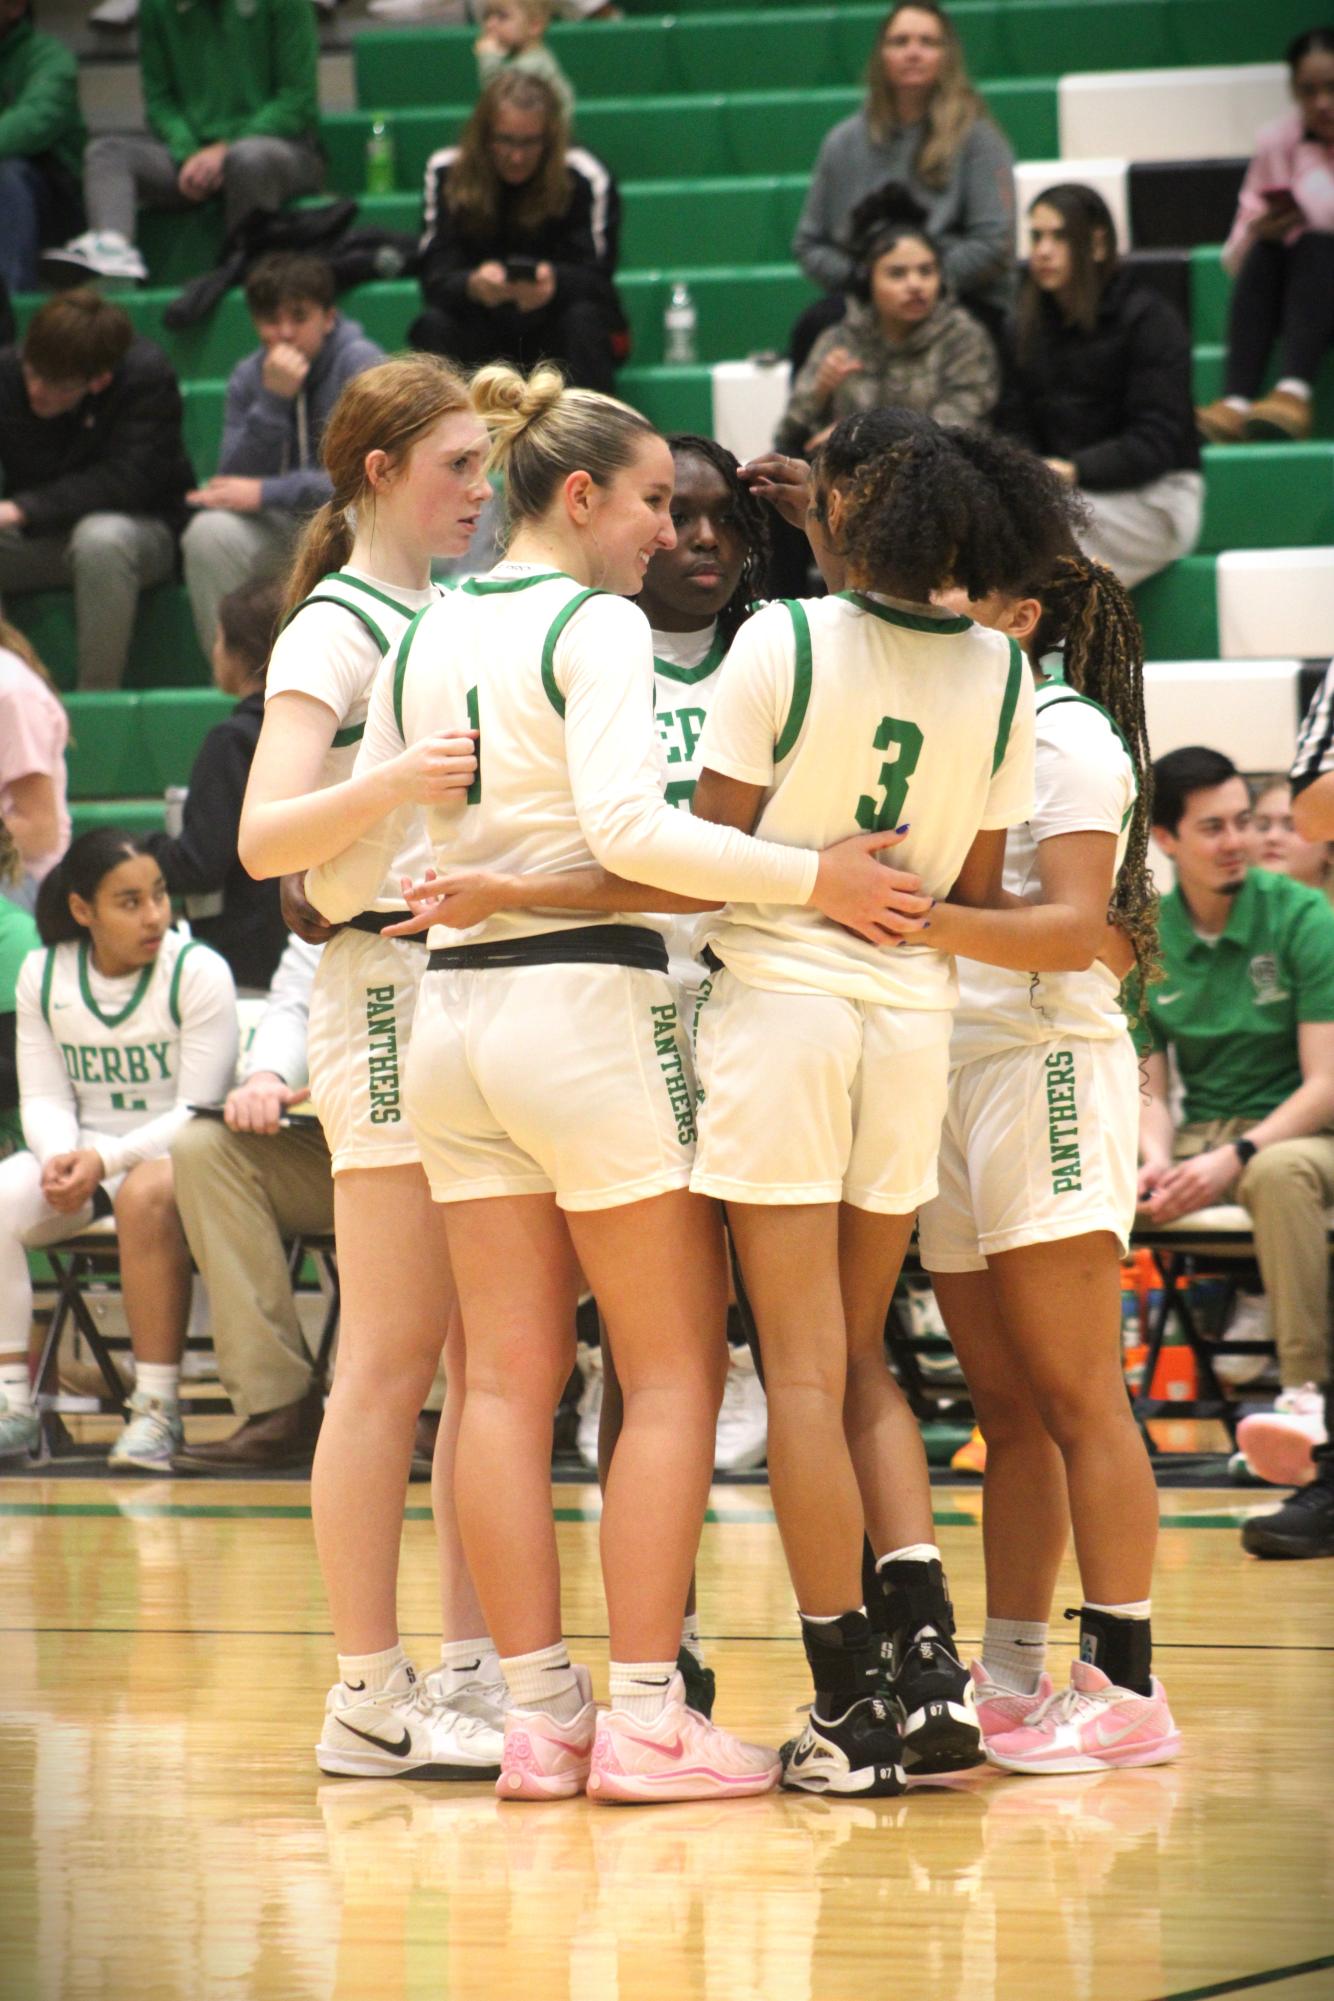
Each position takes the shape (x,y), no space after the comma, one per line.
(41,144)
(232,102)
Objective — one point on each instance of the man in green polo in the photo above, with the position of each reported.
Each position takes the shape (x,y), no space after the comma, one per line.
(1246,1006)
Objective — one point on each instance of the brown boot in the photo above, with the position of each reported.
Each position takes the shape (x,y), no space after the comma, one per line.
(1220,423)
(270,1442)
(1280,414)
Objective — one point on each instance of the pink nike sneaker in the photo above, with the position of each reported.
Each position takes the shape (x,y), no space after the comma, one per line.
(1278,1444)
(679,1756)
(1000,1709)
(543,1759)
(1092,1726)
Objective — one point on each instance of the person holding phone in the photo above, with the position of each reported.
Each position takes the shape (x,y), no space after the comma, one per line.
(1280,255)
(519,235)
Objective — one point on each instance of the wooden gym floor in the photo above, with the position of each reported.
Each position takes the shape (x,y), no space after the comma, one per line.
(165,1836)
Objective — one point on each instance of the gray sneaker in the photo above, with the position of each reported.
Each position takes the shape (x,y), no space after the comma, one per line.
(151,1436)
(20,1432)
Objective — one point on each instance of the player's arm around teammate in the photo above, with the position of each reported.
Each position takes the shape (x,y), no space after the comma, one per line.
(122,1024)
(1037,1196)
(404,453)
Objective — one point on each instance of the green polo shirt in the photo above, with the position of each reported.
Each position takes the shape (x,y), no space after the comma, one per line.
(1230,1010)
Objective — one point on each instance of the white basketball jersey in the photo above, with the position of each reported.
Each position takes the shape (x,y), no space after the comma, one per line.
(120,1040)
(855,714)
(331,647)
(1085,783)
(686,673)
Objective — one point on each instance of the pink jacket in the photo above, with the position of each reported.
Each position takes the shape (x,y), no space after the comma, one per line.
(1284,158)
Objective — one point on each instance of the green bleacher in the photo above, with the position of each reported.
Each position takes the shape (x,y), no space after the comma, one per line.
(713,170)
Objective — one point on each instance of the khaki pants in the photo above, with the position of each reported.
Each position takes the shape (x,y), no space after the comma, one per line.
(239,1196)
(1286,1189)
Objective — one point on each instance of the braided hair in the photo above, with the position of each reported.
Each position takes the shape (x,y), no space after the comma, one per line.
(752,519)
(1088,616)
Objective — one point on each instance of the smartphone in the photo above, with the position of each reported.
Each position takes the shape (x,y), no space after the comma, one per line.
(1277,198)
(521,270)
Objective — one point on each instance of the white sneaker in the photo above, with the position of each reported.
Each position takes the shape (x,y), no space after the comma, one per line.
(485,1698)
(743,1421)
(590,1406)
(152,1436)
(114,14)
(20,1432)
(96,254)
(399,1732)
(1278,1444)
(1249,1322)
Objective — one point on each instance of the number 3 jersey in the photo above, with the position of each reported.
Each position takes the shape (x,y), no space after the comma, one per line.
(855,714)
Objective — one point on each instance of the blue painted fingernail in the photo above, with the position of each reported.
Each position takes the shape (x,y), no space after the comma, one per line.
(903,829)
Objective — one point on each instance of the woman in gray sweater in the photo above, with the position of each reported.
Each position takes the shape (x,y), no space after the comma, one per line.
(924,127)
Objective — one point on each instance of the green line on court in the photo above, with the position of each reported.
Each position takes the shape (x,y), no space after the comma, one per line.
(297,1512)
(1244,1983)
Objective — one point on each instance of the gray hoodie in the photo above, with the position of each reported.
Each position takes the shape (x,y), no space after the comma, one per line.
(277,438)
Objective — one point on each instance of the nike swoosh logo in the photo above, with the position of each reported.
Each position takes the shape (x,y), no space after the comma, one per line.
(399,1750)
(1117,1734)
(676,1750)
(355,1686)
(804,1754)
(468,1667)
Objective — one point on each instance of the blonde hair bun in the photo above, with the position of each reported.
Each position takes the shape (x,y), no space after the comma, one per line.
(509,403)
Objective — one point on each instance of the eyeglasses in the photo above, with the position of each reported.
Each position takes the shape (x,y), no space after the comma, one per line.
(504,143)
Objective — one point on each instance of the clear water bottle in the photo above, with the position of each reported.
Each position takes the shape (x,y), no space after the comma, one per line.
(380,175)
(680,324)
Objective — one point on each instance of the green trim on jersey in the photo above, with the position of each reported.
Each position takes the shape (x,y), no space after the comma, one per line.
(353,611)
(479,587)
(554,631)
(342,739)
(801,680)
(356,584)
(473,796)
(174,997)
(48,974)
(401,666)
(666,670)
(90,1001)
(1018,668)
(911,620)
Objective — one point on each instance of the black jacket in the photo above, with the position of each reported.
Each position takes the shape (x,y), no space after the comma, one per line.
(581,246)
(121,451)
(249,931)
(1116,402)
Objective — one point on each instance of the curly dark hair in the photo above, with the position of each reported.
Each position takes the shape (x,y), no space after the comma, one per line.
(1088,616)
(930,508)
(752,519)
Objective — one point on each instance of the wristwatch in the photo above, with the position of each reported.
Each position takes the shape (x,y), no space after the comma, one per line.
(1245,1150)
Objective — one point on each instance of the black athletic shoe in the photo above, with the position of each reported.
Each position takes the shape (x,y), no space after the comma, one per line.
(1303,1526)
(860,1754)
(701,1686)
(940,1727)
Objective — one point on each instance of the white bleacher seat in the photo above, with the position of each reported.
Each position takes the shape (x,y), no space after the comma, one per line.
(1107,174)
(1247,709)
(1169,114)
(749,398)
(1273,601)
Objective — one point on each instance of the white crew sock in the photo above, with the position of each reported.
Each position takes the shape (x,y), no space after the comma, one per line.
(1014,1653)
(639,1688)
(464,1662)
(17,1386)
(1292,385)
(690,1638)
(1242,403)
(1137,1608)
(367,1674)
(161,1380)
(544,1680)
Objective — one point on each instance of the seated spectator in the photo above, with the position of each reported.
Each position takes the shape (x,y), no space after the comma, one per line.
(245,1185)
(232,102)
(925,128)
(1280,255)
(1098,382)
(1278,846)
(520,238)
(902,340)
(122,1025)
(95,471)
(511,39)
(18,937)
(1246,1007)
(227,909)
(34,732)
(41,144)
(270,478)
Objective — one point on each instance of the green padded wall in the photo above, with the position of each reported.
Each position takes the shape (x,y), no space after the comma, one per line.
(1178,610)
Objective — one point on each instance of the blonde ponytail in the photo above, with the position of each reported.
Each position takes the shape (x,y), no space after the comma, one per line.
(541,432)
